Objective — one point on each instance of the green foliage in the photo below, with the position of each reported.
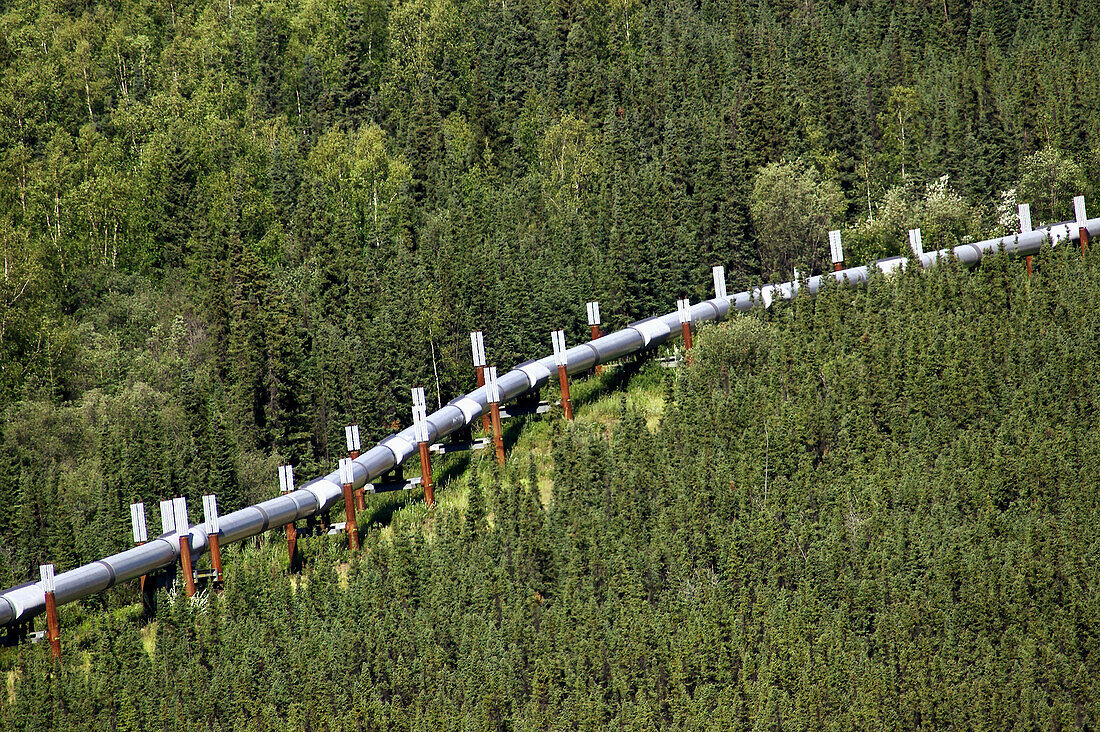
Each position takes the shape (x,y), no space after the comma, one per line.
(792,209)
(228,229)
(1051,179)
(865,509)
(944,217)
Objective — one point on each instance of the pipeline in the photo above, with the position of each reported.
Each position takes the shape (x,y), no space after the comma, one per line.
(27,600)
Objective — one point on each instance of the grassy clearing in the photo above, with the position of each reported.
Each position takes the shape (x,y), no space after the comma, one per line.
(598,402)
(149,638)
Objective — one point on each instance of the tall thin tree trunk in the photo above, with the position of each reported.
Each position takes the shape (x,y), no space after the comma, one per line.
(88,96)
(435,370)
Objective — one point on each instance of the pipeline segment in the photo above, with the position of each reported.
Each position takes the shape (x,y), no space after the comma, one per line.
(29,599)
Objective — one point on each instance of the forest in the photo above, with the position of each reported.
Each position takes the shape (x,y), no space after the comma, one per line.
(866,510)
(230,228)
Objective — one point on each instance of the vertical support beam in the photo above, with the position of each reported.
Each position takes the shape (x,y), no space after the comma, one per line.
(493,392)
(719,274)
(213,532)
(141,535)
(683,309)
(183,529)
(594,325)
(426,475)
(558,337)
(53,627)
(351,437)
(916,243)
(1081,217)
(477,350)
(836,250)
(168,526)
(420,429)
(347,479)
(286,485)
(1024,212)
(167,518)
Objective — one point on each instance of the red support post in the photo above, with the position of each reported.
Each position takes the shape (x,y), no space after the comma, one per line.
(286,485)
(560,357)
(361,494)
(492,392)
(596,334)
(351,433)
(477,351)
(352,529)
(185,562)
(837,266)
(144,591)
(1080,215)
(1024,215)
(347,477)
(563,380)
(420,429)
(216,560)
(53,626)
(426,474)
(183,529)
(292,543)
(498,432)
(213,532)
(683,309)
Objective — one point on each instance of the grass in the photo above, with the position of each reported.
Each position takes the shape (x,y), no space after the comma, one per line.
(149,638)
(597,401)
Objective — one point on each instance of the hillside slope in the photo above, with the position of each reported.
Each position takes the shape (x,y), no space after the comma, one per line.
(230,228)
(876,508)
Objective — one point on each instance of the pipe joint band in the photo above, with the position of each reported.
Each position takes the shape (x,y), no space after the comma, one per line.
(652,330)
(537,374)
(595,353)
(404,448)
(112,577)
(470,409)
(266,517)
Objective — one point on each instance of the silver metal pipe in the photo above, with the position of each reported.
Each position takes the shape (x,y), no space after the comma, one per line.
(27,600)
